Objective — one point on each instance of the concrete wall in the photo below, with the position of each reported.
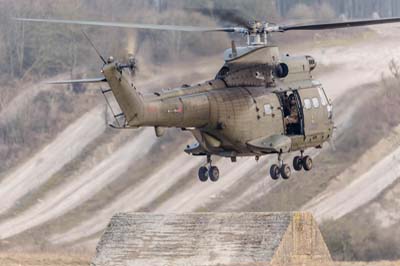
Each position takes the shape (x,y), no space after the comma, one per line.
(210,239)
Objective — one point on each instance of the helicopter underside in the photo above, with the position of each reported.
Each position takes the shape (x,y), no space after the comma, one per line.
(276,144)
(256,149)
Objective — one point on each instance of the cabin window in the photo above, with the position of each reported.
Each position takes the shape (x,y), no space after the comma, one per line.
(315,102)
(267,109)
(330,111)
(307,104)
(324,100)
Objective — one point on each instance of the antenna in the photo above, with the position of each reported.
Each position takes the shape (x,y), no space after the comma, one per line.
(234,49)
(94,47)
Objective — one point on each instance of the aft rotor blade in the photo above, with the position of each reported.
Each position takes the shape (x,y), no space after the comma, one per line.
(338,25)
(132,25)
(78,81)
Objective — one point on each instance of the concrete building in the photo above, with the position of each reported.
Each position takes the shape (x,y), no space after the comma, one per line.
(210,239)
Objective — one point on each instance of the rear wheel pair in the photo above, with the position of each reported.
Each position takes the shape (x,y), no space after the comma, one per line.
(300,163)
(211,173)
(285,172)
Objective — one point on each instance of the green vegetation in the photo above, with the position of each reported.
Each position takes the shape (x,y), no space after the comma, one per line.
(355,239)
(36,50)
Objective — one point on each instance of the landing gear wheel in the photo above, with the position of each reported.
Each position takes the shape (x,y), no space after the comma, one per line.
(307,163)
(214,173)
(203,174)
(297,163)
(275,172)
(286,172)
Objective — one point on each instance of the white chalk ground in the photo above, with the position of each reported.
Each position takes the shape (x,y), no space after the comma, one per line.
(199,194)
(372,176)
(366,188)
(38,170)
(140,196)
(81,188)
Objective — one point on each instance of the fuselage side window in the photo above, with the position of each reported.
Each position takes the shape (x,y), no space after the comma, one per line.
(267,109)
(315,102)
(307,104)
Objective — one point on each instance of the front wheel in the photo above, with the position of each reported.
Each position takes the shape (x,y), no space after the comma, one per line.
(307,163)
(275,172)
(203,174)
(286,172)
(214,174)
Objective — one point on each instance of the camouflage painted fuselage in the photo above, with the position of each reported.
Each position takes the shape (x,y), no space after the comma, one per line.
(240,112)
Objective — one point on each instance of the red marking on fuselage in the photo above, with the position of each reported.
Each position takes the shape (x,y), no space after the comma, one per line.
(152,109)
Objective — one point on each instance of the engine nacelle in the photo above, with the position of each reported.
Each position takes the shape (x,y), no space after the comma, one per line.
(282,70)
(295,67)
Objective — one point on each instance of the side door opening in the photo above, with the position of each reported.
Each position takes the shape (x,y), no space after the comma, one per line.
(293,117)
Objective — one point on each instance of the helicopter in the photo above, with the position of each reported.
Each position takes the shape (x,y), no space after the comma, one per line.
(260,102)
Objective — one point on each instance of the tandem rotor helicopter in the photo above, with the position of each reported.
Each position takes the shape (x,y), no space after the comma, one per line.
(259,103)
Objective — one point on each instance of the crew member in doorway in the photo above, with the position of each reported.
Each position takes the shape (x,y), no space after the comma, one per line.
(293,118)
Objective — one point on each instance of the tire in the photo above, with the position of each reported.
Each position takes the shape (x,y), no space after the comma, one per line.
(286,172)
(307,163)
(203,174)
(297,163)
(214,174)
(275,172)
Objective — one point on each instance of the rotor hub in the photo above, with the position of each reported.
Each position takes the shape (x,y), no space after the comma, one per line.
(257,34)
(257,27)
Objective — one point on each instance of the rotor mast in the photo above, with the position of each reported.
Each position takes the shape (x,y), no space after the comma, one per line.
(258,33)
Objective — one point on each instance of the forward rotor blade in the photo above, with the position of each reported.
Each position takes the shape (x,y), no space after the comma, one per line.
(338,25)
(78,81)
(132,25)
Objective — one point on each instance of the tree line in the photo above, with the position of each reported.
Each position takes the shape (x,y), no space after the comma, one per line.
(28,49)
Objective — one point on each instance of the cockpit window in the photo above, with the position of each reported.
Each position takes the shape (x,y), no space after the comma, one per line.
(324,100)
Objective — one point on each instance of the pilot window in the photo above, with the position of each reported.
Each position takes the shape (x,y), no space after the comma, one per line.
(330,111)
(307,104)
(267,109)
(315,102)
(324,100)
